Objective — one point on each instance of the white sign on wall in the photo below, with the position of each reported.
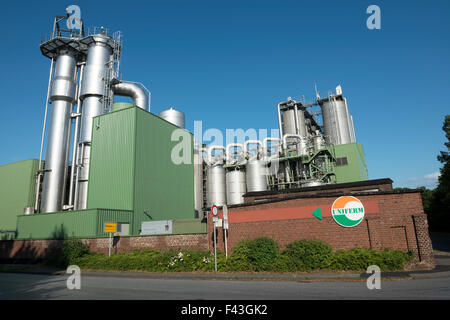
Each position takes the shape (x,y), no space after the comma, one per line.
(156,227)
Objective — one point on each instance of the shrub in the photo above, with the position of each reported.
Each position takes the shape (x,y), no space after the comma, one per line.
(360,259)
(306,255)
(259,254)
(71,250)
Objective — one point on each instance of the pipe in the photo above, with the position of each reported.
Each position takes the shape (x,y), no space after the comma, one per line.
(286,136)
(231,145)
(133,90)
(271,139)
(279,119)
(75,140)
(214,147)
(38,177)
(246,143)
(297,127)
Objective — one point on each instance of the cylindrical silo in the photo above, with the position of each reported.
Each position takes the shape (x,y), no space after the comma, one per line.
(92,96)
(62,99)
(215,186)
(256,175)
(289,125)
(335,121)
(235,185)
(173,116)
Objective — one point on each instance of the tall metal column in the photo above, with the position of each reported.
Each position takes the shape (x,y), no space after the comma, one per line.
(92,96)
(62,99)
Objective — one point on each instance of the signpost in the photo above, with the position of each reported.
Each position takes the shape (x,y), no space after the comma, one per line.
(110,227)
(225,227)
(215,213)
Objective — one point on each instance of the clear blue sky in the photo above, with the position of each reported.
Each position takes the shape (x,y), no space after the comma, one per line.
(228,63)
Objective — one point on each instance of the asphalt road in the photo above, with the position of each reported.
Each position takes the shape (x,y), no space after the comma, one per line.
(93,287)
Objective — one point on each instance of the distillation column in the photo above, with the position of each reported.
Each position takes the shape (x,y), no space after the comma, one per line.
(92,96)
(62,99)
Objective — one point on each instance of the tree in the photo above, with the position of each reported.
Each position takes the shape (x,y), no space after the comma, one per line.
(439,215)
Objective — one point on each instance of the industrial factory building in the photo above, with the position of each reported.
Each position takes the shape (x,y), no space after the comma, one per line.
(112,162)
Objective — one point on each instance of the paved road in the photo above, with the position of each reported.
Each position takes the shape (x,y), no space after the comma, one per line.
(29,286)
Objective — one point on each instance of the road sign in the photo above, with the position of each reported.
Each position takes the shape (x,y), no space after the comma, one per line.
(225,217)
(110,227)
(215,211)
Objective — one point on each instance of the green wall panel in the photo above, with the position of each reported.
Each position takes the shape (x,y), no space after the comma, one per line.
(356,169)
(79,224)
(17,191)
(188,226)
(132,169)
(111,175)
(163,190)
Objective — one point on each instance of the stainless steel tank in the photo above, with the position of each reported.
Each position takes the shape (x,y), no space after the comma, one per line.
(319,142)
(215,186)
(235,185)
(92,95)
(335,121)
(62,99)
(289,122)
(256,175)
(173,116)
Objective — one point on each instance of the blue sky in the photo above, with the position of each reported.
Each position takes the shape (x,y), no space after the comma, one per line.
(228,63)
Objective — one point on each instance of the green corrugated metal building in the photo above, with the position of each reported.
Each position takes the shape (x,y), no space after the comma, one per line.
(132,168)
(132,179)
(17,191)
(350,163)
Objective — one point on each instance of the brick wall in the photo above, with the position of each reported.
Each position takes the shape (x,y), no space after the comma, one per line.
(392,220)
(36,250)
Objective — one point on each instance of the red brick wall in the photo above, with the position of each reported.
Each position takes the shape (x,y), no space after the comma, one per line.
(42,249)
(395,220)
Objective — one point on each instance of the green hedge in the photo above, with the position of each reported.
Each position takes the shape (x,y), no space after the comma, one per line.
(260,254)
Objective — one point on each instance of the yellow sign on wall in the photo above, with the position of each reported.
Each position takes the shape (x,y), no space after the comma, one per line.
(110,227)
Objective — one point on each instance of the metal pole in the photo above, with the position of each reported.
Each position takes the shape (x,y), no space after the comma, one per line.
(226,249)
(38,178)
(109,249)
(215,247)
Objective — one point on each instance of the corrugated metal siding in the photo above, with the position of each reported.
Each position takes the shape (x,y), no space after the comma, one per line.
(356,170)
(17,191)
(163,190)
(79,224)
(111,181)
(106,215)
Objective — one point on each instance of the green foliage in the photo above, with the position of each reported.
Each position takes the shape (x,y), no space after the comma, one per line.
(360,259)
(437,203)
(306,255)
(71,250)
(258,254)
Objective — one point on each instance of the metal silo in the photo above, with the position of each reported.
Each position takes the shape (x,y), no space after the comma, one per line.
(289,124)
(173,116)
(93,94)
(335,120)
(62,98)
(256,175)
(235,186)
(215,186)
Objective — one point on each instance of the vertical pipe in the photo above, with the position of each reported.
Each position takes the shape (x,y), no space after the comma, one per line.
(62,98)
(75,140)
(279,120)
(38,177)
